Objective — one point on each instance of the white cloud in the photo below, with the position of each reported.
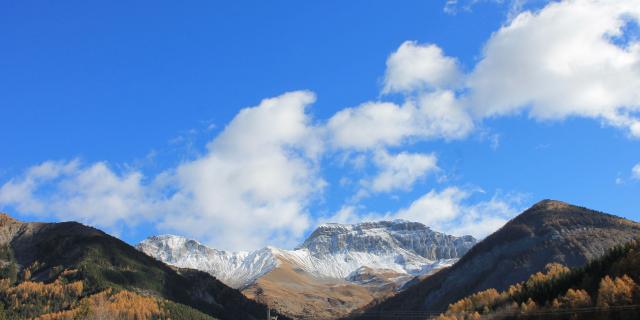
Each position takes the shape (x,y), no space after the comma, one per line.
(452,211)
(254,184)
(569,59)
(400,171)
(635,172)
(19,191)
(485,217)
(92,194)
(514,6)
(435,208)
(251,188)
(372,125)
(414,67)
(561,62)
(448,211)
(441,115)
(346,215)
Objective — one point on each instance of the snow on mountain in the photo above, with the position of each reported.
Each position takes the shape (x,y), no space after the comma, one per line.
(331,251)
(233,268)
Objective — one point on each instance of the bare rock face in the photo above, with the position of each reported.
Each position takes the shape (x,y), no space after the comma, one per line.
(386,237)
(550,231)
(8,228)
(337,269)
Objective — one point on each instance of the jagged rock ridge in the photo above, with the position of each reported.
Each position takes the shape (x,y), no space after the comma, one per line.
(338,269)
(331,251)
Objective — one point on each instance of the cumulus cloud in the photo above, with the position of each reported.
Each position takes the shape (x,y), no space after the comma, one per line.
(442,115)
(432,110)
(563,61)
(372,125)
(400,171)
(93,194)
(254,184)
(572,58)
(413,67)
(434,208)
(449,210)
(452,211)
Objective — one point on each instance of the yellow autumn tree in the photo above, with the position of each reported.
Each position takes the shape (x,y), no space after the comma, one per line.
(528,306)
(482,300)
(572,299)
(614,292)
(552,271)
(111,305)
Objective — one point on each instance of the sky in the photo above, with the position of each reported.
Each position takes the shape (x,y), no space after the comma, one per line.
(248,123)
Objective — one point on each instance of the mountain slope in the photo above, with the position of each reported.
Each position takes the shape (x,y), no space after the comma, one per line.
(103,262)
(550,231)
(299,294)
(338,268)
(606,288)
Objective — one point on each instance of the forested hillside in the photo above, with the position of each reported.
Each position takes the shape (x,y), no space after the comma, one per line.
(68,271)
(606,288)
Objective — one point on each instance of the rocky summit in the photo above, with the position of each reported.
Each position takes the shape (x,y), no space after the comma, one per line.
(366,261)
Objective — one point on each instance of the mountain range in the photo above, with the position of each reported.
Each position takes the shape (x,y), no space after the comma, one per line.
(374,270)
(337,269)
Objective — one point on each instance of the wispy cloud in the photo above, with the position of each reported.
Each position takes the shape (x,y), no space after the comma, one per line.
(635,172)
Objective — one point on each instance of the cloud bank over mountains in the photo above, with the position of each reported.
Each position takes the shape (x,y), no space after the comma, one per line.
(258,178)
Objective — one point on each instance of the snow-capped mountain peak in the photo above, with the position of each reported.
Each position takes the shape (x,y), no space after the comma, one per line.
(331,251)
(384,237)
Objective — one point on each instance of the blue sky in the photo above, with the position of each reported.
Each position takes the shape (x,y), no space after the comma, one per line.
(114,114)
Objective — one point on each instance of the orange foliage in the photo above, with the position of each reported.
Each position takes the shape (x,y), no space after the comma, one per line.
(528,306)
(572,299)
(468,307)
(514,289)
(51,296)
(109,305)
(553,271)
(615,292)
(486,302)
